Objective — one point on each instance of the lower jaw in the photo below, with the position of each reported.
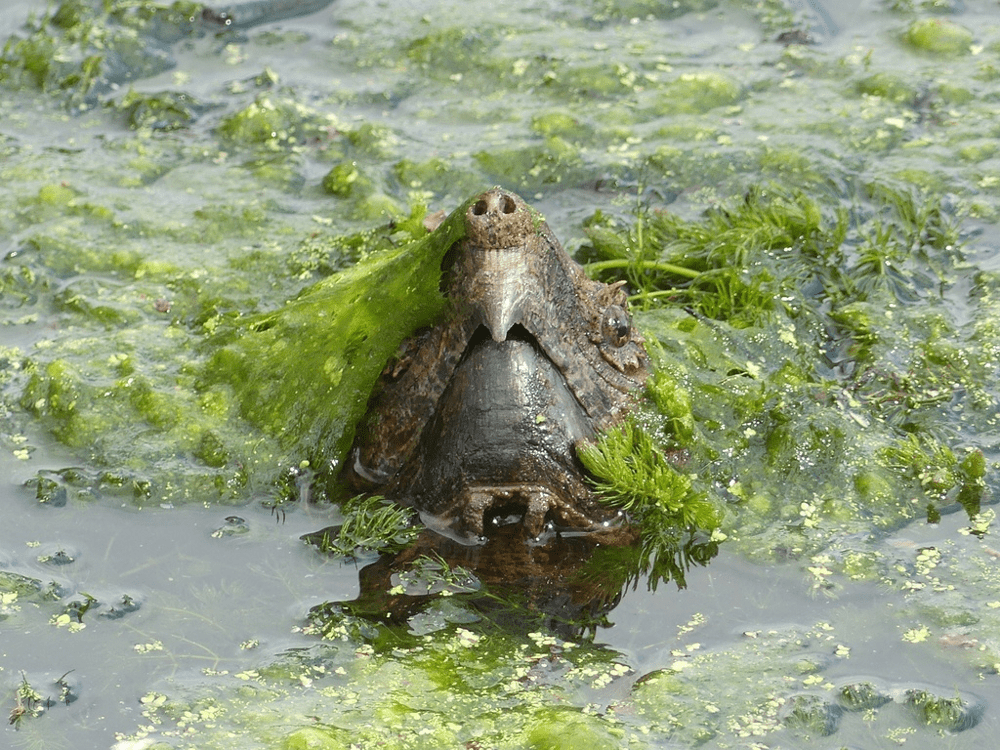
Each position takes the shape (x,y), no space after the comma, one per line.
(480,512)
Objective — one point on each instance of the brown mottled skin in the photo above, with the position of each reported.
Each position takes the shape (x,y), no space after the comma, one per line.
(478,418)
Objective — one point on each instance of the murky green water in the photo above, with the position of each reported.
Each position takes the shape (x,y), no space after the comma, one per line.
(162,179)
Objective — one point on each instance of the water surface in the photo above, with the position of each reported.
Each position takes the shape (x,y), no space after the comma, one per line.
(199,588)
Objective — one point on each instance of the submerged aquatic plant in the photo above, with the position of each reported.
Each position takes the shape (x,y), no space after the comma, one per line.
(28,703)
(725,266)
(372,524)
(801,364)
(633,474)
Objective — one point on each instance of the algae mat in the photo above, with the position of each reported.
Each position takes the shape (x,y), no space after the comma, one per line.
(803,198)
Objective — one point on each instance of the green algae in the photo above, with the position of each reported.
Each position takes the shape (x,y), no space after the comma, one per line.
(559,123)
(696,93)
(316,738)
(939,37)
(82,50)
(344,180)
(86,402)
(887,85)
(648,9)
(86,407)
(437,176)
(455,688)
(533,167)
(568,728)
(167,110)
(808,706)
(823,361)
(312,363)
(464,687)
(273,122)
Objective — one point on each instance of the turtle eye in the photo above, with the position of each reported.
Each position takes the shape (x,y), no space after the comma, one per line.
(615,326)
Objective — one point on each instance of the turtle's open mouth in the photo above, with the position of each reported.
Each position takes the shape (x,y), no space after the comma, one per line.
(500,447)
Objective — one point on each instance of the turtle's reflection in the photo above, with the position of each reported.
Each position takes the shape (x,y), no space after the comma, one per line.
(566,584)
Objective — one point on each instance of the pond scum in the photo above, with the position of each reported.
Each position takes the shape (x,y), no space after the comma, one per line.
(826,343)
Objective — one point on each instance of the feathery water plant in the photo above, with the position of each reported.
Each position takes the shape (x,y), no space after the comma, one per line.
(370,523)
(632,473)
(733,265)
(799,327)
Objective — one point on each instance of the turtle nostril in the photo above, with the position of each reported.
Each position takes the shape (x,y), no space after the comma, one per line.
(507,204)
(480,208)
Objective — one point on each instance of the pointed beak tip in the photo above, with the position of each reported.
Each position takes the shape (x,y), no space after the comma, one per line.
(498,319)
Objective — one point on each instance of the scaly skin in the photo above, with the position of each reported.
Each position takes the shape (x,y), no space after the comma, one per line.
(480,415)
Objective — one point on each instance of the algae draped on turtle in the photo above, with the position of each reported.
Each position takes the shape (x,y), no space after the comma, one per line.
(476,420)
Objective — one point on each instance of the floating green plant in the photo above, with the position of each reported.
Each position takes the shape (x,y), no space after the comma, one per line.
(303,372)
(370,524)
(799,349)
(632,473)
(28,703)
(82,49)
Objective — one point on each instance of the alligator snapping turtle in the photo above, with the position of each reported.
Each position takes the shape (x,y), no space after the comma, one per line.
(476,419)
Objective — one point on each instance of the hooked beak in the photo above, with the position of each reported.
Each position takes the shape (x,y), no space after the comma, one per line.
(499,227)
(501,289)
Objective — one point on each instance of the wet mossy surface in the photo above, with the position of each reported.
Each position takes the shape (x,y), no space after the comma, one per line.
(213,240)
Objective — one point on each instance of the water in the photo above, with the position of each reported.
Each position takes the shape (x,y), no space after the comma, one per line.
(199,597)
(204,611)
